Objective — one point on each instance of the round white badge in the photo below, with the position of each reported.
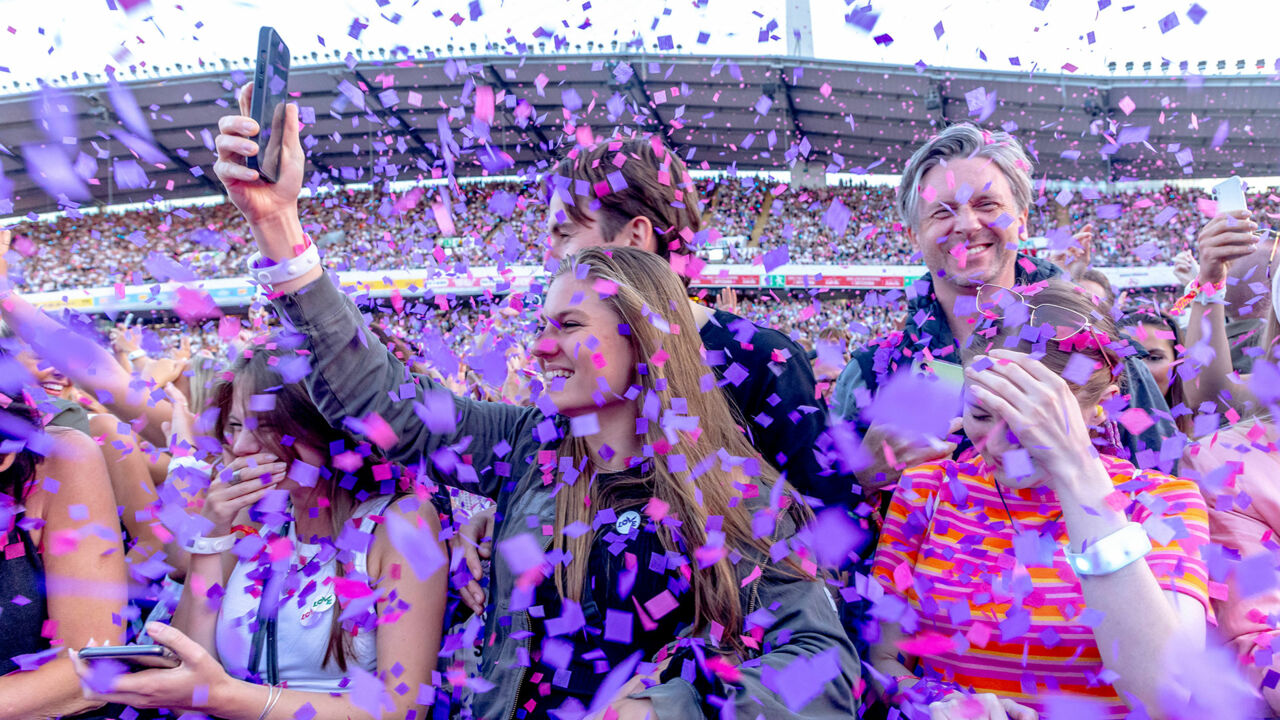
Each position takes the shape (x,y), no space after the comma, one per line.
(319,606)
(627,523)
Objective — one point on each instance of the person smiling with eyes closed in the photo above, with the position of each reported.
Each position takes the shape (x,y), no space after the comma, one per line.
(1035,550)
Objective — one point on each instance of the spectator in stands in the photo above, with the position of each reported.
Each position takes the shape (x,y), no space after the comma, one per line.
(966,219)
(958,530)
(62,576)
(1098,285)
(314,636)
(1161,338)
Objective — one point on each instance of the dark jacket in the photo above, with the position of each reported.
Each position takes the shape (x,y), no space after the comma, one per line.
(775,395)
(927,328)
(494,449)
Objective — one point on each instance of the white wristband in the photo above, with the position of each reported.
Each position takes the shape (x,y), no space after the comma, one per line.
(285,270)
(137,354)
(1111,553)
(211,545)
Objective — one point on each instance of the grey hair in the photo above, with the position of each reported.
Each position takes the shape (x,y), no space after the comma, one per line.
(965,140)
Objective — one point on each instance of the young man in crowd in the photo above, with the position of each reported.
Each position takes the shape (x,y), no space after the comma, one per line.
(964,200)
(636,192)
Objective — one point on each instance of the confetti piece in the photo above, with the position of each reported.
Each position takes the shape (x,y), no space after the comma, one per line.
(927,643)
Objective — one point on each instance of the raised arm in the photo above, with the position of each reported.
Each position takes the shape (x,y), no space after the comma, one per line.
(1223,240)
(84,575)
(353,378)
(89,365)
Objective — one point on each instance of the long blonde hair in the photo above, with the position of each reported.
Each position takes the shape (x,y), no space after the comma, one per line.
(701,471)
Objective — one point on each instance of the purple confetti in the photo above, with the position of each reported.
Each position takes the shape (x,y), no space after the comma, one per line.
(417,545)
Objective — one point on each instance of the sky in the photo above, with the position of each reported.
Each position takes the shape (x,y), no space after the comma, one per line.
(58,38)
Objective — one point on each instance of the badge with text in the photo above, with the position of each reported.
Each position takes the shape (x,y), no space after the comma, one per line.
(323,603)
(628,522)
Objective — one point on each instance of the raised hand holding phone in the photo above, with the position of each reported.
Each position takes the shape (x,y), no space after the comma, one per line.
(268,101)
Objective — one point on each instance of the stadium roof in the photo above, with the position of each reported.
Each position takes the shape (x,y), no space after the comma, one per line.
(379,120)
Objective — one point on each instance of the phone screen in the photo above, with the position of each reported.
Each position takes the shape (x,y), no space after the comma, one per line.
(270,94)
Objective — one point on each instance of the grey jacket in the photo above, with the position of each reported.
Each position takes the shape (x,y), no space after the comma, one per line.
(493,449)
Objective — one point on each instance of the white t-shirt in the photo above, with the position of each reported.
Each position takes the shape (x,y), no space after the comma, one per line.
(304,615)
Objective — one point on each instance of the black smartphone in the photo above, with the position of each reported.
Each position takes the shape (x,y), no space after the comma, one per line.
(138,657)
(267,106)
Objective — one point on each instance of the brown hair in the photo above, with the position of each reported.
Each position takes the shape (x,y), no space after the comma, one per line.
(650,301)
(1108,366)
(1094,275)
(626,178)
(294,415)
(20,428)
(1177,393)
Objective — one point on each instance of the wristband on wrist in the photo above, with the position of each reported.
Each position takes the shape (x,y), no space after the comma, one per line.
(137,354)
(1211,294)
(211,545)
(1112,552)
(267,272)
(1202,292)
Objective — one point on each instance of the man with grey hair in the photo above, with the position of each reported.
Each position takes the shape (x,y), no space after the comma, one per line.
(964,200)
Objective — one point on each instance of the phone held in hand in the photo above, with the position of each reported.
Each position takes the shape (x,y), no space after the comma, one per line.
(137,657)
(1230,195)
(267,106)
(950,374)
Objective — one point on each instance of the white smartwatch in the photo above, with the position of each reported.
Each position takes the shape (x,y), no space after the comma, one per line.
(286,270)
(211,545)
(1111,553)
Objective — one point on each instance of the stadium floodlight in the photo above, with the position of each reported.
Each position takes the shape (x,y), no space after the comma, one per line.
(1202,65)
(1111,66)
(1240,64)
(1262,64)
(1128,67)
(1222,65)
(1146,66)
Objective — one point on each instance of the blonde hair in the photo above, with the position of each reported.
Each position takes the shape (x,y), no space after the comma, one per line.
(719,464)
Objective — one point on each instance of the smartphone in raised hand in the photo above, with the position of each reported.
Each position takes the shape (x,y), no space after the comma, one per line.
(267,105)
(1230,195)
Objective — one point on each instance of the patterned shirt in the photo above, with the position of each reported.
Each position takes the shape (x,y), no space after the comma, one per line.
(995,607)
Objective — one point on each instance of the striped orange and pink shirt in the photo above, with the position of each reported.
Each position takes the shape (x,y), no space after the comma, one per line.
(999,610)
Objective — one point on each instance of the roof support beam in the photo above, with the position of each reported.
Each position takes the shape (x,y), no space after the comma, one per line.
(387,114)
(639,93)
(543,148)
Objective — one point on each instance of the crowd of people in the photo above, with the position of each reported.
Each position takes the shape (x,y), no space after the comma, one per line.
(501,223)
(1003,491)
